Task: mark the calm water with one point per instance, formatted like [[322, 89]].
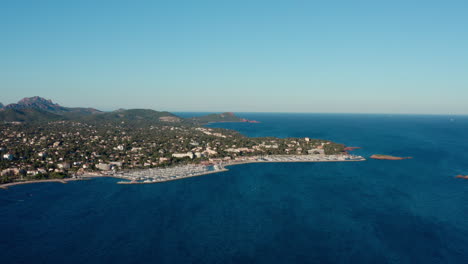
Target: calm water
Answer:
[[410, 211]]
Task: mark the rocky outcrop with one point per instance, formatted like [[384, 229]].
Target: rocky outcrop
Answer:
[[39, 103], [388, 157]]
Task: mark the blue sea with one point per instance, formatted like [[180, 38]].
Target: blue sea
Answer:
[[377, 211]]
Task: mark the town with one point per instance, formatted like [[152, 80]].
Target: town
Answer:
[[61, 149]]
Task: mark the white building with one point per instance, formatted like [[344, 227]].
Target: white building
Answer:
[[183, 155], [316, 152], [162, 159], [120, 147], [116, 163], [10, 171], [64, 165], [8, 156], [103, 166], [209, 152]]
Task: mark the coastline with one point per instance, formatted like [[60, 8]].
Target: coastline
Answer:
[[64, 181], [191, 170]]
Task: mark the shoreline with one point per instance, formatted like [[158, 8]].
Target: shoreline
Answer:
[[192, 170], [64, 181]]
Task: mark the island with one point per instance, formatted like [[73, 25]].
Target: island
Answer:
[[388, 157], [43, 141], [462, 177]]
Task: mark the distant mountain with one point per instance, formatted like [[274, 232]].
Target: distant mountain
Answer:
[[223, 117], [38, 109], [1, 105], [40, 103]]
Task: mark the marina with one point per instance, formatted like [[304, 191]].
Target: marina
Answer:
[[155, 175]]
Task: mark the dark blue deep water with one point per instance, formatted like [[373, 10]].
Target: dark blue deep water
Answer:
[[410, 211]]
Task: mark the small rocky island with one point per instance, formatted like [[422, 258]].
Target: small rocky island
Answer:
[[388, 157]]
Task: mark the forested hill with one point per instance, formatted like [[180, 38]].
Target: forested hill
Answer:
[[223, 117], [38, 109]]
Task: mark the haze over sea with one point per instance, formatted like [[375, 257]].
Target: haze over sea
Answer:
[[409, 211]]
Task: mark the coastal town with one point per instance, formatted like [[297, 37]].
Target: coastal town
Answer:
[[142, 146]]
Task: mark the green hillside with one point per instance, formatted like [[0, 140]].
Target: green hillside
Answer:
[[28, 115], [133, 116]]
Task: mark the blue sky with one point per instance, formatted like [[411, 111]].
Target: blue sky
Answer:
[[246, 56]]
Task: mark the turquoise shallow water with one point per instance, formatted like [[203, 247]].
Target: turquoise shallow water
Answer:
[[410, 211]]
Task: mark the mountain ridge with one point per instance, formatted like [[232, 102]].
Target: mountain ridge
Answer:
[[38, 109]]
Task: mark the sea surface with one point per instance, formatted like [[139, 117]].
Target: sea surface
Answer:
[[377, 211]]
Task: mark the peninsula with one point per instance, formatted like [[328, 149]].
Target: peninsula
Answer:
[[220, 118], [41, 140]]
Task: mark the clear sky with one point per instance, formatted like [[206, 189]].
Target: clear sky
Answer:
[[246, 56]]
